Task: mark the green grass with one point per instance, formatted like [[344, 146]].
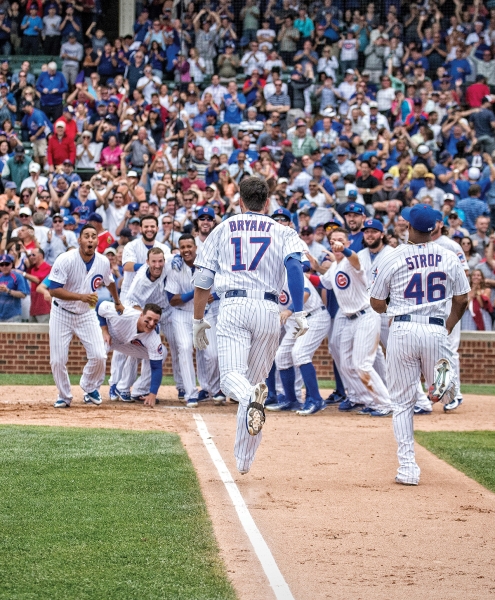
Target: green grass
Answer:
[[472, 452], [103, 514]]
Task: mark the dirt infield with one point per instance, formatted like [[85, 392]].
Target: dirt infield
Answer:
[[322, 494]]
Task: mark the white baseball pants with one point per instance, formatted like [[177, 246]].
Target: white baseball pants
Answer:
[[248, 332], [63, 325]]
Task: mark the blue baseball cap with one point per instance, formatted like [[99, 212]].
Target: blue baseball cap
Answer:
[[354, 208], [373, 224], [205, 211], [211, 113], [6, 258], [69, 220], [95, 217], [439, 215], [282, 212], [421, 217], [352, 194], [133, 206]]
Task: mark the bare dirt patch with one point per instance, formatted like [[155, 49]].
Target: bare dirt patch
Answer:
[[322, 494]]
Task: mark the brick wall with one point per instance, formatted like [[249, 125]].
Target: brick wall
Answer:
[[24, 348]]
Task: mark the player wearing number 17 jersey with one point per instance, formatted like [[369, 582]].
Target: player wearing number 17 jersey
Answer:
[[421, 279], [247, 257]]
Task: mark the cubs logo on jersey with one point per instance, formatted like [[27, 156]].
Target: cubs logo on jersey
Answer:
[[283, 298], [96, 282], [342, 280], [138, 343], [160, 349]]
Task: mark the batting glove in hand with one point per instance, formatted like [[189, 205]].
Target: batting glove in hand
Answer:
[[200, 340], [177, 262], [302, 324]]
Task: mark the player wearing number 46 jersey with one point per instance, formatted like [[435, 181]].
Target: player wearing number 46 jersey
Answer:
[[247, 257], [421, 279]]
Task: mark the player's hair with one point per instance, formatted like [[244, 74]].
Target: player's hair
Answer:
[[146, 217], [87, 226], [153, 308], [154, 251], [341, 230], [186, 236], [254, 193]]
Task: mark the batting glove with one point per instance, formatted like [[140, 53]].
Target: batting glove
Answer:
[[200, 340], [302, 324], [177, 262]]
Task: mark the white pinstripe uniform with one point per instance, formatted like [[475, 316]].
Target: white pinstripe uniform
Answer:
[[75, 317], [125, 337], [142, 292], [284, 300], [134, 252], [180, 282], [420, 280], [300, 351], [247, 252], [454, 338], [367, 260], [360, 335]]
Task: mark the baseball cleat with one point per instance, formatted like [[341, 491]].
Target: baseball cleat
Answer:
[[255, 416], [92, 398], [443, 386], [284, 405], [346, 405], [311, 407], [381, 412], [203, 396], [365, 411], [397, 480], [124, 396], [61, 403], [455, 403], [192, 403], [335, 398], [421, 411], [271, 400], [219, 399], [181, 394], [112, 393]]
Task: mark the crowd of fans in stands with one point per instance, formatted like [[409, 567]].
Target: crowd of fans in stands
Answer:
[[331, 102]]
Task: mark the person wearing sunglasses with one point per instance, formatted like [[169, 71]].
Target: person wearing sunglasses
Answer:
[[58, 239], [13, 288]]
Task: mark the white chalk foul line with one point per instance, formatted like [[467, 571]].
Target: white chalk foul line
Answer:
[[275, 577]]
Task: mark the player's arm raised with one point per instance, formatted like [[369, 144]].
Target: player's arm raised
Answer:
[[351, 256]]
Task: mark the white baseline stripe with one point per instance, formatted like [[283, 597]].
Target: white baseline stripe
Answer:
[[275, 577]]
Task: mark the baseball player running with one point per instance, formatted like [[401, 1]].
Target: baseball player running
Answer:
[[361, 333], [134, 256], [247, 257], [135, 333], [375, 246], [74, 279], [439, 236], [421, 278]]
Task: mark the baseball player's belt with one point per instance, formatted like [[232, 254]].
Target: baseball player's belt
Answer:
[[356, 315], [314, 312], [251, 294], [420, 319], [58, 306]]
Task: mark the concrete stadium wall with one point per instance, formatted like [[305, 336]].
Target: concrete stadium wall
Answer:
[[24, 348]]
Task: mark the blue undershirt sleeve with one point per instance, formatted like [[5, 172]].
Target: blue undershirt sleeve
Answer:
[[295, 280], [156, 375], [187, 297]]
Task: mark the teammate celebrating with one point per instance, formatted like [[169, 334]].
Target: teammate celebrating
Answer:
[[74, 279], [135, 334], [247, 255], [421, 278], [361, 333]]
